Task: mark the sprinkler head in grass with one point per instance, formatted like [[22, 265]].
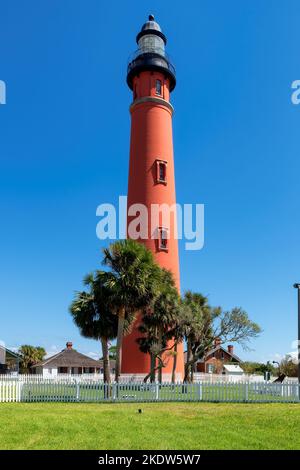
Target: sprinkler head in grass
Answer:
[[140, 411]]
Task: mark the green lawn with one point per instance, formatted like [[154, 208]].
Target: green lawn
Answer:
[[160, 426]]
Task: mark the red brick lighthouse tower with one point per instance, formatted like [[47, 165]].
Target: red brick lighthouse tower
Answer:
[[151, 77]]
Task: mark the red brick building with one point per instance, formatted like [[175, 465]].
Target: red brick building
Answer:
[[215, 359]]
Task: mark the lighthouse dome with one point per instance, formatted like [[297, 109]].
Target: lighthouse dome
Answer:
[[151, 27], [151, 24]]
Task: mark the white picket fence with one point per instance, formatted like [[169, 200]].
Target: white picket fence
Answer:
[[133, 378], [10, 391], [37, 378], [97, 391], [216, 378]]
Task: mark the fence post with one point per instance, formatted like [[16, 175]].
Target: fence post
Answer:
[[156, 391], [200, 391], [19, 391], [246, 391], [77, 391], [114, 386]]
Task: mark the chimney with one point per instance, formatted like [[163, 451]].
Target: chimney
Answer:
[[217, 342], [69, 345], [230, 348]]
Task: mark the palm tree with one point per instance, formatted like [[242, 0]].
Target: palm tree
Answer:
[[91, 313], [198, 323], [158, 326], [133, 283], [180, 331], [30, 355]]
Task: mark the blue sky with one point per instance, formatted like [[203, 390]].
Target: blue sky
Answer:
[[64, 145]]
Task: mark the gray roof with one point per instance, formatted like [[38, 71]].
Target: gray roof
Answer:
[[69, 358], [10, 353]]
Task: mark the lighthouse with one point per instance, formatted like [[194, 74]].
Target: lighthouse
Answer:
[[151, 78]]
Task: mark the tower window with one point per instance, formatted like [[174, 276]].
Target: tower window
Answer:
[[158, 87], [163, 239], [161, 171]]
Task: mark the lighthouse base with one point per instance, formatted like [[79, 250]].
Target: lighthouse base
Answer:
[[138, 378], [136, 364]]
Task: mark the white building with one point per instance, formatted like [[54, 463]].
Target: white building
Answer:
[[68, 361], [232, 369]]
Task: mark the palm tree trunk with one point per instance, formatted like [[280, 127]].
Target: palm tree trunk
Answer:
[[159, 357], [159, 374], [153, 361], [121, 321], [187, 367], [106, 368], [174, 363], [153, 364]]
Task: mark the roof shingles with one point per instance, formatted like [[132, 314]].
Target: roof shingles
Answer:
[[69, 358]]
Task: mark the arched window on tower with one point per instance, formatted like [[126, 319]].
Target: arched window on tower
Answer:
[[163, 235], [158, 87], [161, 171]]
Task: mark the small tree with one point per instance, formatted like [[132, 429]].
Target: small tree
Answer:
[[209, 323], [197, 329], [30, 355], [258, 368], [288, 367], [180, 331]]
